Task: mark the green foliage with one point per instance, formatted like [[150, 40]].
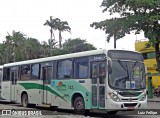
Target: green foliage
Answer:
[[18, 47], [155, 65], [14, 46], [77, 45], [58, 51], [32, 48], [3, 55], [134, 16], [59, 25]]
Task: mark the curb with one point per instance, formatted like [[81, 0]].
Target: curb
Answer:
[[153, 100]]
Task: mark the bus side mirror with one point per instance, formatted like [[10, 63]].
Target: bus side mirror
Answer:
[[109, 67]]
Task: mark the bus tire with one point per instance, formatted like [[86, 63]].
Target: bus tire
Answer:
[[24, 100], [79, 106]]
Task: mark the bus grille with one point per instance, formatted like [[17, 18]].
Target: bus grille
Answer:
[[130, 94], [130, 104], [128, 99]]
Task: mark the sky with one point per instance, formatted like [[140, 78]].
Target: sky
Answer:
[[28, 16]]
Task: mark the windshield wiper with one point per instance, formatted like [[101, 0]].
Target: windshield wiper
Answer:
[[126, 69], [120, 63], [134, 64]]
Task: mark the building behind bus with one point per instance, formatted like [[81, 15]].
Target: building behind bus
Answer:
[[149, 56]]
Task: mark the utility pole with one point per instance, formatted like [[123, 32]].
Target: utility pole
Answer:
[[51, 42], [150, 94], [114, 40]]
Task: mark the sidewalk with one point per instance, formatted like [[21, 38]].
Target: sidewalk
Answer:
[[154, 99]]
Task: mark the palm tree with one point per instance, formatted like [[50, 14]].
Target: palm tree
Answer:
[[59, 25], [32, 48], [3, 54], [44, 48], [50, 23], [14, 45]]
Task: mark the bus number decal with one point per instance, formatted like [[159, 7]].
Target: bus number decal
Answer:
[[97, 58], [70, 87]]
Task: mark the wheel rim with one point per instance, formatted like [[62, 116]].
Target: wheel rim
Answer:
[[25, 100], [79, 106]]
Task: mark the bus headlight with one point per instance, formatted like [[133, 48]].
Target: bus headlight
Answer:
[[142, 97], [114, 97]]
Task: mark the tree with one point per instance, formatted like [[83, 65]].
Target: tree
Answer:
[[14, 45], [48, 47], [134, 15], [58, 51], [51, 24], [59, 25], [73, 46], [77, 45], [3, 54], [31, 48]]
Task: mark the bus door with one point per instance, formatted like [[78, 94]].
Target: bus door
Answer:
[[98, 75], [47, 76], [14, 77]]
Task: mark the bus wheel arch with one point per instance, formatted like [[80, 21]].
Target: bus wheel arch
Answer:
[[78, 103], [24, 99]]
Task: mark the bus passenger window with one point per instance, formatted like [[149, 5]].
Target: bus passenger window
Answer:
[[49, 74], [35, 71], [101, 69], [64, 69], [81, 68], [93, 70], [25, 72], [102, 73]]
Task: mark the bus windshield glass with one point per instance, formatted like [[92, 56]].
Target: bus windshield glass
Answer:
[[127, 75]]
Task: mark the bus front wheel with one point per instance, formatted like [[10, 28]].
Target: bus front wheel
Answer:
[[79, 106], [24, 100]]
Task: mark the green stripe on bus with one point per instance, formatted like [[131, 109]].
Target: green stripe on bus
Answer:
[[42, 87]]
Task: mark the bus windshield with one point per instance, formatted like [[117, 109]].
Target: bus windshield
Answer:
[[127, 75]]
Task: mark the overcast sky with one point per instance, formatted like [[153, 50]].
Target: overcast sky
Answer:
[[28, 16]]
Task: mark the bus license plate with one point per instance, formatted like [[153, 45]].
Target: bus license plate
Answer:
[[130, 107]]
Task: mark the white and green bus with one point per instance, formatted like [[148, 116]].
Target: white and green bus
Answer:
[[1, 75], [108, 80]]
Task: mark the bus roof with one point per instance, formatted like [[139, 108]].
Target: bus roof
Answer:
[[72, 55], [59, 57]]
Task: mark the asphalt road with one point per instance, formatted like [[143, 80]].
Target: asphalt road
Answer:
[[42, 112]]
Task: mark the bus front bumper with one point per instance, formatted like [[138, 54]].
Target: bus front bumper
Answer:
[[112, 105]]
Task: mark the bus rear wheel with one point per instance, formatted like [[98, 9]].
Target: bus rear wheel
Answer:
[[79, 106], [24, 100]]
